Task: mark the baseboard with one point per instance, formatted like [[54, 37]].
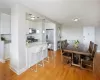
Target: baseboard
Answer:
[[18, 72], [22, 70], [14, 70], [1, 60]]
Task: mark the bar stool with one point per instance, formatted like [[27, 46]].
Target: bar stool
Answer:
[[44, 49], [37, 52], [49, 47]]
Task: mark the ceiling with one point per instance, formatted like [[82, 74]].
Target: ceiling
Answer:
[[64, 11]]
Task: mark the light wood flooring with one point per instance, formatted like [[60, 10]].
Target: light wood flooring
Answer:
[[54, 70]]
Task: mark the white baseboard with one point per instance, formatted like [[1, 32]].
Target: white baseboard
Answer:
[[1, 60], [18, 72], [22, 70]]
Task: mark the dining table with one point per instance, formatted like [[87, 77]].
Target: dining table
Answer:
[[78, 53]]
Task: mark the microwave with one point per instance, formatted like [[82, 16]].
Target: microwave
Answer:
[[32, 30]]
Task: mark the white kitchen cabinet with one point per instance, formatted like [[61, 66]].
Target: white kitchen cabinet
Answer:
[[5, 23], [7, 51], [2, 51]]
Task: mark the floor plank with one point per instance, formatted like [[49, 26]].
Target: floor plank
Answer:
[[54, 70]]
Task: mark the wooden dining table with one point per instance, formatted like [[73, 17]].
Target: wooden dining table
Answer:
[[79, 53]]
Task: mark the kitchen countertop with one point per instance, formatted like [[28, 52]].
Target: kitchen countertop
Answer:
[[6, 41], [35, 44]]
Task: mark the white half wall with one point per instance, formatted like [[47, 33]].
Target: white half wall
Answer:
[[19, 28]]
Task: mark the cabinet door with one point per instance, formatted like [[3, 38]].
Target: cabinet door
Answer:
[[7, 50], [5, 24]]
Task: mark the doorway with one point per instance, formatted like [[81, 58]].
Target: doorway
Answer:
[[50, 37]]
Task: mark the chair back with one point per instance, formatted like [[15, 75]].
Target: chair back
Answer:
[[94, 50], [91, 47], [64, 44]]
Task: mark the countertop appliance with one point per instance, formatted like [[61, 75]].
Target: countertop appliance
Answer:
[[31, 39], [32, 30]]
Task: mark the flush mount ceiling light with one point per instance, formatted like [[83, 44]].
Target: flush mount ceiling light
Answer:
[[76, 19]]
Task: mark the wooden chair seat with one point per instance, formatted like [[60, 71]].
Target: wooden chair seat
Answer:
[[88, 60], [67, 58]]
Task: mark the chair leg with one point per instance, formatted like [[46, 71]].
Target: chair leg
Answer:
[[47, 58], [35, 68], [52, 55], [43, 62]]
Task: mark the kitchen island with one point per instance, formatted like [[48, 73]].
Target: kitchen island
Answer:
[[31, 49]]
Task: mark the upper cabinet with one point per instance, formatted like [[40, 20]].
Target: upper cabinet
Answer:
[[5, 23]]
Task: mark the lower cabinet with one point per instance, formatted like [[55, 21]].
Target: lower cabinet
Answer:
[[7, 51]]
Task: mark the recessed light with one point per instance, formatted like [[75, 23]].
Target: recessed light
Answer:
[[32, 18]]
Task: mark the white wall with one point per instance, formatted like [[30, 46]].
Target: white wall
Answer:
[[97, 37], [76, 33], [5, 10], [72, 33]]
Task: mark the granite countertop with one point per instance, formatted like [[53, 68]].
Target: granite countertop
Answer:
[[35, 44], [7, 41]]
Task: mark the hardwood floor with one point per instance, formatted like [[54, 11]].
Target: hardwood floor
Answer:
[[97, 65], [54, 70]]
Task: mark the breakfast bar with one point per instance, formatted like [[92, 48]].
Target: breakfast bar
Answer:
[[35, 53]]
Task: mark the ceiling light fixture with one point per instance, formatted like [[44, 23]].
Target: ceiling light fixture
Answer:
[[32, 17], [76, 19]]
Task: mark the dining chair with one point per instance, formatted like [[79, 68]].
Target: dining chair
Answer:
[[90, 50], [38, 54], [66, 57], [44, 49], [89, 62]]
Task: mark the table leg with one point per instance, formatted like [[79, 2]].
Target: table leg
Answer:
[[80, 60], [72, 59]]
